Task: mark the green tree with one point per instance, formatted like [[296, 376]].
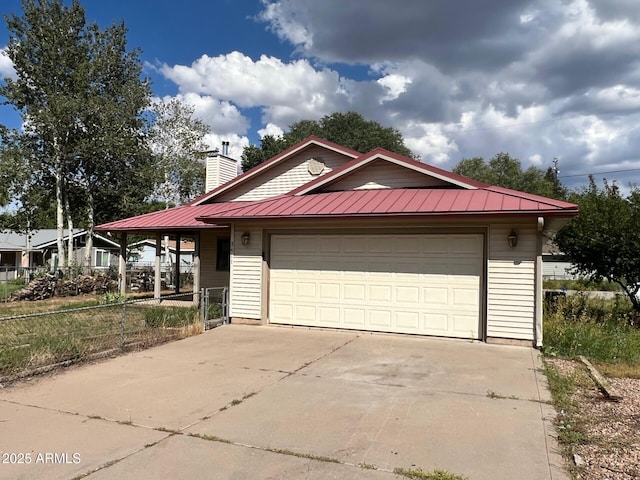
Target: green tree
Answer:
[[604, 240], [349, 129], [505, 171], [81, 99], [177, 142]]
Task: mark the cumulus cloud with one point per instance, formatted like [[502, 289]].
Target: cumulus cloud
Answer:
[[540, 79], [6, 65], [290, 91]]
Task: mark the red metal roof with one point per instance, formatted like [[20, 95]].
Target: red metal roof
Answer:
[[396, 202], [178, 218]]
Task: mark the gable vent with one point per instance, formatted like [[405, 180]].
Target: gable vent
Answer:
[[315, 166]]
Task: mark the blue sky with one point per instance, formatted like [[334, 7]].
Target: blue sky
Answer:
[[540, 79]]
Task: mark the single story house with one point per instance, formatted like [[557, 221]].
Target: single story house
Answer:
[[324, 236], [38, 248], [142, 254]]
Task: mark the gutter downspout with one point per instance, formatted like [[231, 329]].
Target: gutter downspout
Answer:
[[538, 284]]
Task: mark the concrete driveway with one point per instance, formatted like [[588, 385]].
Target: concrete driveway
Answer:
[[244, 402]]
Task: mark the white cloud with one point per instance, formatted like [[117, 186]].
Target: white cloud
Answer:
[[6, 65], [394, 84], [290, 91], [236, 143], [270, 129]]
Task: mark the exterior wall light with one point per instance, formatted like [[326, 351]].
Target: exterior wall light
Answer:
[[245, 238], [512, 239]]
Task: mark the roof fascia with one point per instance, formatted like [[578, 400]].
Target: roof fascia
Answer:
[[377, 154]]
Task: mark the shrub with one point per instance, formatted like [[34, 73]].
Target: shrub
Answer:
[[601, 329]]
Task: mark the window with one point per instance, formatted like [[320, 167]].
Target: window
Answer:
[[103, 258], [223, 254]]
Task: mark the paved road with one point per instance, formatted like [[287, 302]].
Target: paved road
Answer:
[[244, 402]]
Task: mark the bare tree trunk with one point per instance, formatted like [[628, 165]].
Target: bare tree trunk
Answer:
[[89, 244], [59, 211], [70, 252]]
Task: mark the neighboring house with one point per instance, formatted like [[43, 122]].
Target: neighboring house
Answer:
[[555, 264], [324, 236], [142, 254], [19, 251]]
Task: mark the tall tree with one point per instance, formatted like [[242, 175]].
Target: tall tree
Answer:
[[349, 129], [604, 240], [81, 99], [177, 142], [505, 171]]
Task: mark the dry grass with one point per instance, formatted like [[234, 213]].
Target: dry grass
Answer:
[[619, 370]]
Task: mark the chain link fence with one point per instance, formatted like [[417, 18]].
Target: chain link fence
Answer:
[[39, 342]]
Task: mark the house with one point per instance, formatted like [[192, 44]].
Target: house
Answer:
[[556, 265], [142, 254], [324, 236], [38, 248]]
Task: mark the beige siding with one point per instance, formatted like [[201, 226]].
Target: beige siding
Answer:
[[246, 274], [511, 283], [285, 177], [209, 276], [219, 170], [382, 174]]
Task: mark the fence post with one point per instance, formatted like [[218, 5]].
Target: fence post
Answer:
[[122, 323], [225, 304], [203, 306]]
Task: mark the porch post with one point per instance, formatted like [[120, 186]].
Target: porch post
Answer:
[[196, 269], [122, 264], [177, 265], [538, 283], [157, 273]]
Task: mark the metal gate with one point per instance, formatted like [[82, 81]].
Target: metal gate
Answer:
[[214, 306]]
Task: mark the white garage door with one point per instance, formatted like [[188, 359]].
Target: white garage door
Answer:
[[421, 284]]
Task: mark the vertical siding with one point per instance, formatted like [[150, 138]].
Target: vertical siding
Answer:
[[246, 274], [212, 178], [209, 276], [382, 174], [285, 177], [220, 170], [511, 283]]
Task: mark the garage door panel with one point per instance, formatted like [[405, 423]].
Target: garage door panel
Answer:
[[435, 323], [408, 321], [354, 317], [283, 288], [354, 292], [380, 294], [305, 313], [466, 297], [306, 289], [330, 291], [380, 319], [395, 283], [329, 315], [408, 295], [435, 296]]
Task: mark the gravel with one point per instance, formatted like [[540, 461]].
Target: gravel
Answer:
[[612, 451]]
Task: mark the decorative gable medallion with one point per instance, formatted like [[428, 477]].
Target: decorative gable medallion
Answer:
[[315, 166]]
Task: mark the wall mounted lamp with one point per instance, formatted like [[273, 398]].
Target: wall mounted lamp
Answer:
[[245, 238], [512, 239]]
